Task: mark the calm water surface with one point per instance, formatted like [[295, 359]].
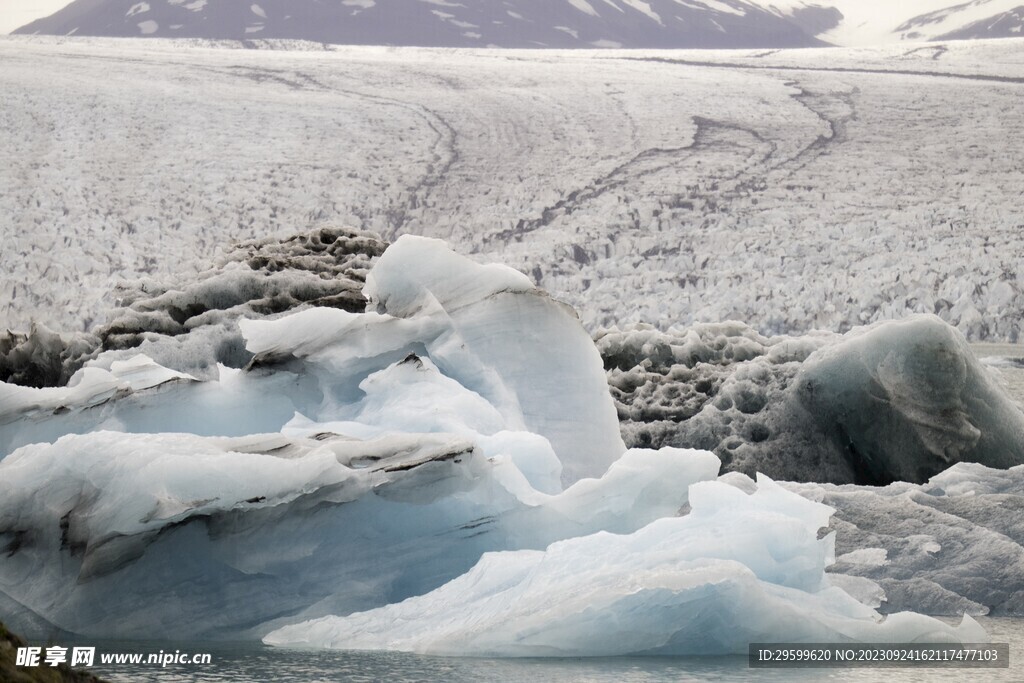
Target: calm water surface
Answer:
[[249, 662]]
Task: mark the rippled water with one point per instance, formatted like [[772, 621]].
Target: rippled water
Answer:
[[248, 662]]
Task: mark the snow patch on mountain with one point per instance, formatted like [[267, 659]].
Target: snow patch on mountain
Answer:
[[868, 22], [581, 5]]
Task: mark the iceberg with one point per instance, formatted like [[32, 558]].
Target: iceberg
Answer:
[[894, 401], [357, 459], [93, 526], [485, 326], [907, 399], [738, 568]]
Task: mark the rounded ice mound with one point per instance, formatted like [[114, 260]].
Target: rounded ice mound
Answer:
[[418, 270], [904, 400], [893, 401], [737, 569]]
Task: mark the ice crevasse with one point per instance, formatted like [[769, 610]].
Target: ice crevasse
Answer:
[[442, 473]]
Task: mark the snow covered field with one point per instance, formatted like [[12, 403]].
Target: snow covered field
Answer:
[[791, 190]]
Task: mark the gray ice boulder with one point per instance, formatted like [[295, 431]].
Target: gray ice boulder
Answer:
[[900, 400], [905, 400]]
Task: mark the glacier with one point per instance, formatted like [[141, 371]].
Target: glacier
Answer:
[[361, 457], [784, 189]]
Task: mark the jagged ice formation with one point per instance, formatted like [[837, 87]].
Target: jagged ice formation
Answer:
[[357, 459]]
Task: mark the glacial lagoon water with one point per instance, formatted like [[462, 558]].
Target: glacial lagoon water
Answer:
[[254, 662]]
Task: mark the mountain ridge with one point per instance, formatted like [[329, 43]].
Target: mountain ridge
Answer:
[[543, 23], [443, 23]]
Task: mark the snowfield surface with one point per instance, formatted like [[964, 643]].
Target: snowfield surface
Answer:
[[792, 190]]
